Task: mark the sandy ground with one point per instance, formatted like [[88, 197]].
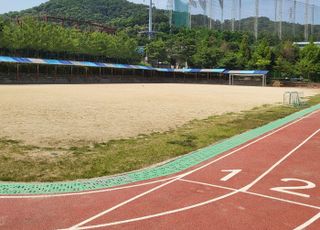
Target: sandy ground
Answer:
[[51, 115]]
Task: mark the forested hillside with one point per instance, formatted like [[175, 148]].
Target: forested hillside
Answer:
[[127, 15], [33, 38], [180, 47], [114, 12]]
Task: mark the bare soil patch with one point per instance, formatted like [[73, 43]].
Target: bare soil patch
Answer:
[[64, 115]]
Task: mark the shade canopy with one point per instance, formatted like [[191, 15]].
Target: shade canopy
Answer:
[[20, 60]]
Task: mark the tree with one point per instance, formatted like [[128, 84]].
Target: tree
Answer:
[[244, 54], [261, 57], [286, 58], [182, 47], [157, 51], [206, 55], [309, 63]]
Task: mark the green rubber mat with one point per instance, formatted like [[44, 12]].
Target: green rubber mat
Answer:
[[172, 167]]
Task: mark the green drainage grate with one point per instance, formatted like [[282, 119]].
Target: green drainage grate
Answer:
[[175, 166]]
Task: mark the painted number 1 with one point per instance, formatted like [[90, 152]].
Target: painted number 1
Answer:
[[288, 190], [232, 173]]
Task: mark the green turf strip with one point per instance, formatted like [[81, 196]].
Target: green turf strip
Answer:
[[172, 167]]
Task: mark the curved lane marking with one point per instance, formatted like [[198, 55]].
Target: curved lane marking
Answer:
[[308, 223], [245, 188]]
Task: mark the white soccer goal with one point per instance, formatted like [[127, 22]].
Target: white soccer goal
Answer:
[[293, 98]]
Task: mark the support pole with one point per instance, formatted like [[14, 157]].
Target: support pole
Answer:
[[256, 20], [306, 21], [276, 15], [170, 9], [312, 19], [240, 14], [294, 17], [190, 16], [210, 13], [233, 15], [221, 2], [150, 19], [18, 72], [38, 71], [280, 18], [55, 72]]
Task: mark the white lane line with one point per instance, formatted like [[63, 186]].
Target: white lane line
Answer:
[[246, 188], [308, 223], [130, 186], [234, 191], [183, 175], [162, 213], [232, 173], [87, 192], [254, 193]]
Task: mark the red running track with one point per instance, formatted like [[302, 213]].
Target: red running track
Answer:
[[272, 182]]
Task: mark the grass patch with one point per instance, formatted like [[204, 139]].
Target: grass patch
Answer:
[[19, 162]]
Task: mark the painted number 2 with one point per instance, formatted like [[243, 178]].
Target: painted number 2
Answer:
[[288, 190]]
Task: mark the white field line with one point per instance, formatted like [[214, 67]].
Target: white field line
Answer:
[[136, 185], [188, 173], [308, 223]]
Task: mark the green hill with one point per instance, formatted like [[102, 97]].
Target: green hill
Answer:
[[115, 12], [124, 14]]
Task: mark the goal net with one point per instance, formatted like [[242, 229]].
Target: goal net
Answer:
[[293, 98]]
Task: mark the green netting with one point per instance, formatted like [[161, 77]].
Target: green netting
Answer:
[[180, 13], [285, 19]]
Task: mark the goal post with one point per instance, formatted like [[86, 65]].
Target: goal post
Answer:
[[293, 98]]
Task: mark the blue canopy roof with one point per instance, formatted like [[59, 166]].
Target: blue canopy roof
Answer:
[[99, 65], [247, 72], [21, 60]]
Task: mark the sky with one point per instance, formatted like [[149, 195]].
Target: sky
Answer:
[[16, 5]]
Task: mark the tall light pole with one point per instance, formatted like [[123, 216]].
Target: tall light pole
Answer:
[[256, 19], [240, 14], [170, 8], [312, 19], [210, 13], [233, 20], [221, 2], [280, 18], [294, 17], [276, 16], [306, 21], [150, 20]]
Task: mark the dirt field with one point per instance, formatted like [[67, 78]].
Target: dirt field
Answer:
[[51, 115]]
